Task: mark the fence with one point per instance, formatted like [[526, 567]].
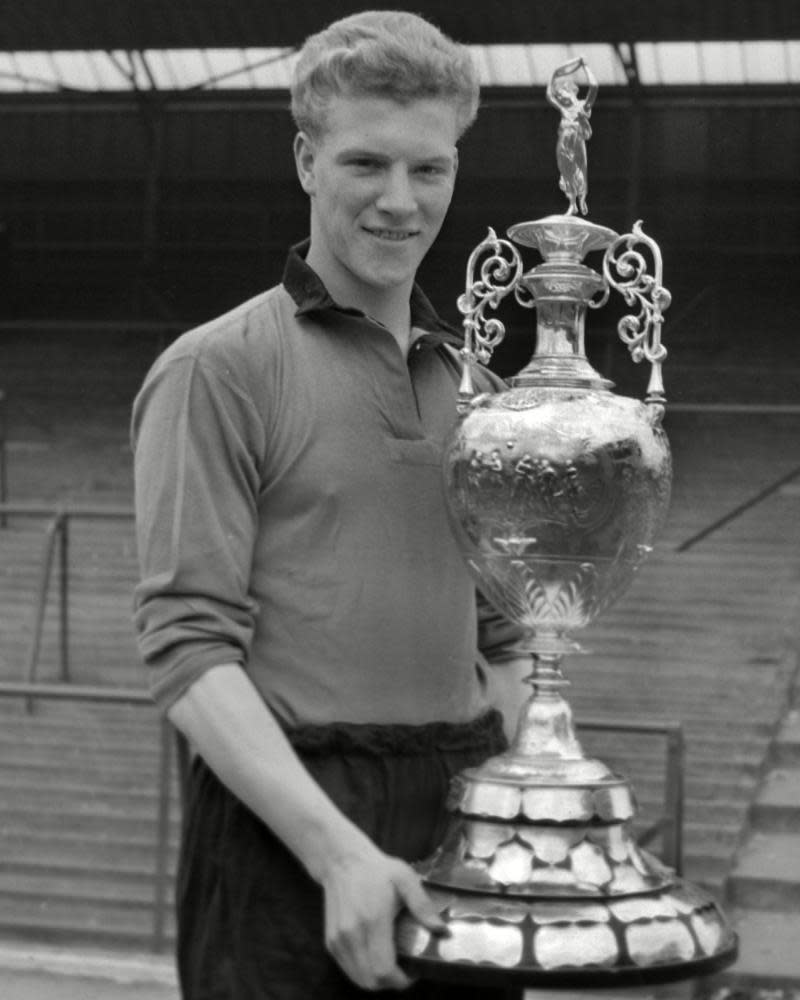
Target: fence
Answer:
[[121, 696], [55, 551]]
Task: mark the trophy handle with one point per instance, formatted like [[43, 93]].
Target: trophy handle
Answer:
[[497, 274], [625, 268]]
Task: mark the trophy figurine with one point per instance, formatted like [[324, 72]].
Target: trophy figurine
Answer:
[[556, 488]]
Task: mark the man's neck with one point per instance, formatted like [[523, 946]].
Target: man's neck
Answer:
[[391, 307], [396, 317]]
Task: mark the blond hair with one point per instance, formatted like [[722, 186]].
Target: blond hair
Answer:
[[386, 53]]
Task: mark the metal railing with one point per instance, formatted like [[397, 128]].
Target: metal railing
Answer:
[[124, 696], [55, 550], [669, 825]]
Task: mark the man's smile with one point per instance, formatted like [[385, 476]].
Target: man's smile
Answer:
[[394, 235]]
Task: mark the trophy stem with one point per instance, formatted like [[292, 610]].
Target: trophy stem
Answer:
[[545, 727]]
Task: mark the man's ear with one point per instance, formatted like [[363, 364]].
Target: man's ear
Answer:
[[455, 162], [304, 154]]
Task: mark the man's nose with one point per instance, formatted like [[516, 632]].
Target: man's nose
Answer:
[[397, 195]]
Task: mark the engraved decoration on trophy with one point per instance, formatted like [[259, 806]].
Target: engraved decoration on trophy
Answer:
[[556, 488]]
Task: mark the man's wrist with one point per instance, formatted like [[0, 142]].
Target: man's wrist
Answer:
[[329, 847]]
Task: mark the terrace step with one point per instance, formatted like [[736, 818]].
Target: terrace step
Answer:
[[766, 875], [768, 953], [90, 889], [777, 805], [786, 747], [67, 921], [118, 856]]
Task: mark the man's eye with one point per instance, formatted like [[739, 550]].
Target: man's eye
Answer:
[[364, 163], [431, 170]]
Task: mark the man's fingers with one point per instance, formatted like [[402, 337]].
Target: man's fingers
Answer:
[[419, 903], [366, 954], [360, 925], [383, 957]]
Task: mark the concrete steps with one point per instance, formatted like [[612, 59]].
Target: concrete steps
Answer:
[[118, 854], [42, 972], [79, 825], [702, 637], [92, 889], [768, 954], [70, 921], [763, 888], [767, 873], [777, 805]]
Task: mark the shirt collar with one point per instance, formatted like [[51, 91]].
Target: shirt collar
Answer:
[[311, 296]]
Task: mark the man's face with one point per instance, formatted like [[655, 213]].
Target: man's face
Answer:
[[380, 181]]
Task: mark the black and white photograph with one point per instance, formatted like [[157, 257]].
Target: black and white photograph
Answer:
[[399, 500]]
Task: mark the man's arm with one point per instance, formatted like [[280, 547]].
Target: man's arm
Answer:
[[198, 440], [234, 731]]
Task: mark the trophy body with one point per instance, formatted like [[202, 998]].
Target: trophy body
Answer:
[[556, 492], [556, 489]]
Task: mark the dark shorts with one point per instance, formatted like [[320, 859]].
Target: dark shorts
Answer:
[[250, 920]]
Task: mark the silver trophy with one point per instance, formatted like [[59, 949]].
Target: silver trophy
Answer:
[[556, 489]]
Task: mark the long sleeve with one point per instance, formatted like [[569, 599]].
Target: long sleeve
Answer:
[[196, 442]]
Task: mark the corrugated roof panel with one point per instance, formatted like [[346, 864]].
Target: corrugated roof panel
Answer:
[[765, 62], [793, 57], [103, 70], [722, 62], [188, 66], [226, 68], [35, 70], [604, 61], [130, 71], [544, 58], [272, 67], [507, 64], [161, 67], [672, 62], [8, 73], [661, 63]]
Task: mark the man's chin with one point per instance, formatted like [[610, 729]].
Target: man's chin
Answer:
[[388, 279]]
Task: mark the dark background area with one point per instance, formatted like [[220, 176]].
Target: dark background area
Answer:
[[129, 217]]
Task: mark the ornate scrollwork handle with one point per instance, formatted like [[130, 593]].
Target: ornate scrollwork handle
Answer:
[[625, 268], [493, 270]]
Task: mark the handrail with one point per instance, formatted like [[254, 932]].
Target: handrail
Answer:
[[670, 824], [124, 696], [41, 509], [56, 534]]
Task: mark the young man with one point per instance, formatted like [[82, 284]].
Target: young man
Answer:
[[309, 622]]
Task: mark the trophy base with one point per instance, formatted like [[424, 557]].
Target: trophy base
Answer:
[[469, 974], [675, 934], [540, 882]]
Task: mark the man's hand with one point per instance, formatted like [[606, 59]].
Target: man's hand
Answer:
[[363, 895], [365, 889]]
